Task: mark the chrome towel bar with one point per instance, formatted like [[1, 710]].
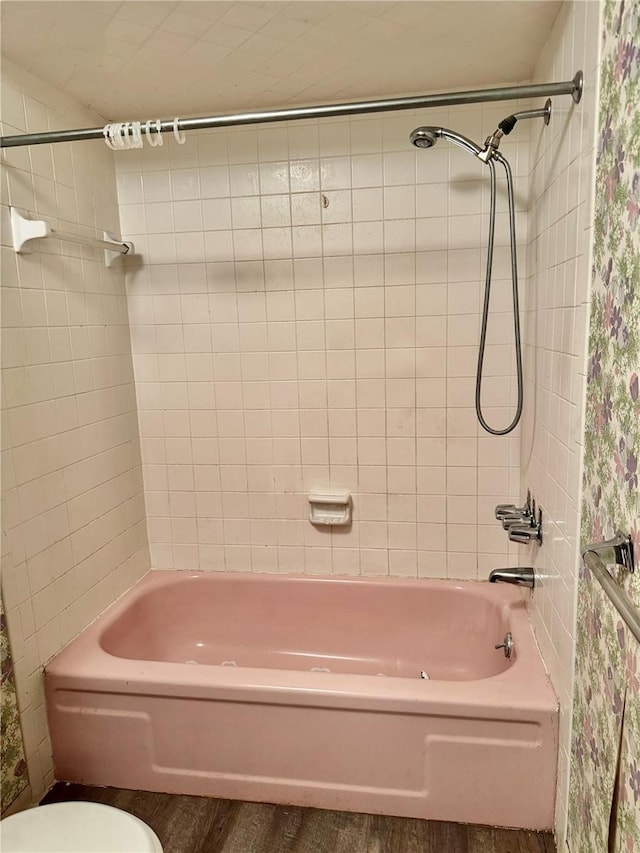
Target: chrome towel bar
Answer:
[[618, 550]]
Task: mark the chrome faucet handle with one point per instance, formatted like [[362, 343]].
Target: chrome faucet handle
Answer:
[[513, 518], [511, 509], [504, 509], [525, 533]]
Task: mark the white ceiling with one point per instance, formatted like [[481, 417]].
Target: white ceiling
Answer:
[[163, 58]]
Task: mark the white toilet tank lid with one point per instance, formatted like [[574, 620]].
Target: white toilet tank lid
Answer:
[[76, 827]]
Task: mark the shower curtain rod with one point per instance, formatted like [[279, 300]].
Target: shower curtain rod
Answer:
[[505, 93]]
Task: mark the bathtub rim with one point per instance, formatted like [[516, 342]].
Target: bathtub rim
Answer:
[[524, 685]]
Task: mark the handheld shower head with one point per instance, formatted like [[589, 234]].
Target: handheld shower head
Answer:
[[426, 137]]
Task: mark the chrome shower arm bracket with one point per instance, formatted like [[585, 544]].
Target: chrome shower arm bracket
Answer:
[[492, 142], [544, 113]]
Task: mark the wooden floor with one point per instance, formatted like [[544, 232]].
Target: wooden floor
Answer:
[[201, 825]]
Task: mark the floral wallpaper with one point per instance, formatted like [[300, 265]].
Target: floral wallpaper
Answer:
[[13, 774], [627, 833], [604, 811], [612, 433], [605, 760]]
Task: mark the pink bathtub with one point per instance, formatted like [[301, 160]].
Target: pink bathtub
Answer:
[[311, 691]]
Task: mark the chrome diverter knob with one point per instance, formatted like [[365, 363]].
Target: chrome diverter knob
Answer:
[[514, 518]]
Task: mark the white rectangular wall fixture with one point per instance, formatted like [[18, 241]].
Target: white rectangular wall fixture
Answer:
[[330, 509]]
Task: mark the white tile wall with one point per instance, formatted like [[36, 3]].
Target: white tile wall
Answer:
[[560, 227], [305, 317], [73, 531]]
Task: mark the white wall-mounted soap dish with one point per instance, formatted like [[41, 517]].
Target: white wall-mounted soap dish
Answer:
[[330, 509]]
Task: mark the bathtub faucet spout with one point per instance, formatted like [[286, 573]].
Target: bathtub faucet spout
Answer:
[[520, 576]]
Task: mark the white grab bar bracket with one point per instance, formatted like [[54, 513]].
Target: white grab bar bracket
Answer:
[[112, 255], [24, 230]]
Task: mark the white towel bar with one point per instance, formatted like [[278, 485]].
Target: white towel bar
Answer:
[[24, 230]]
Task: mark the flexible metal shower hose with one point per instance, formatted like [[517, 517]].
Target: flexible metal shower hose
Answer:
[[487, 296]]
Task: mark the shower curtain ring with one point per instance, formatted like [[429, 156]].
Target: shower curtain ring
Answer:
[[106, 132], [119, 129], [180, 137], [154, 141]]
